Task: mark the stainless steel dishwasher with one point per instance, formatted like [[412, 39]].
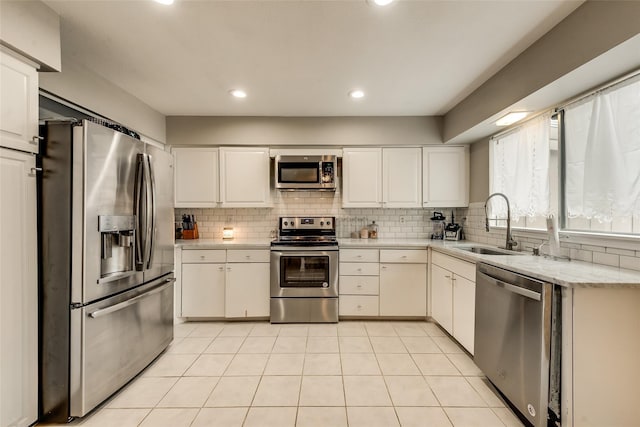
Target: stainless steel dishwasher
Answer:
[[516, 340]]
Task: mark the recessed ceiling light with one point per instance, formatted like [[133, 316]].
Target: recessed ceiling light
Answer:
[[165, 2], [238, 93], [356, 94], [382, 2], [512, 117]]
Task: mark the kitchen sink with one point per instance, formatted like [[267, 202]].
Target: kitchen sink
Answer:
[[487, 251]]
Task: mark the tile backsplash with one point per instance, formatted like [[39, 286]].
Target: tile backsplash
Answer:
[[262, 223], [259, 223], [474, 222]]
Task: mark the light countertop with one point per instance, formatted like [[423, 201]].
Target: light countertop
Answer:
[[564, 273]]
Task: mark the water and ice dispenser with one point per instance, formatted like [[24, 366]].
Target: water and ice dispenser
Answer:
[[117, 236]]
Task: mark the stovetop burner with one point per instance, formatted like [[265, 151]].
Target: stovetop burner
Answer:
[[306, 231]]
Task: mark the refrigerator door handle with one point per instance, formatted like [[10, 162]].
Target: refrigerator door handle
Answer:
[[151, 192], [148, 212], [138, 211], [117, 307]]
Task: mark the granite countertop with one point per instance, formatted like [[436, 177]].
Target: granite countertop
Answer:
[[224, 244], [564, 273]]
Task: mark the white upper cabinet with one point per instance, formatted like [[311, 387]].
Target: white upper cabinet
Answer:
[[196, 177], [18, 104], [402, 177], [244, 177], [445, 177], [362, 178]]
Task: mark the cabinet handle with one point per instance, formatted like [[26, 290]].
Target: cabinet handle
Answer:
[[36, 139], [228, 268], [359, 307], [248, 256], [220, 268], [34, 171], [201, 256], [448, 277], [359, 286], [403, 256], [359, 270], [453, 278], [384, 267], [359, 256]]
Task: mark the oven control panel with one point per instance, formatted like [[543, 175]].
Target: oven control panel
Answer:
[[307, 223]]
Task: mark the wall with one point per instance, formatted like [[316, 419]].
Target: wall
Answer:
[[591, 30], [85, 88], [340, 131], [479, 171], [32, 29]]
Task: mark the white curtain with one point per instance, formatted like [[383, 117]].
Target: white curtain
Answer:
[[520, 169], [602, 144]]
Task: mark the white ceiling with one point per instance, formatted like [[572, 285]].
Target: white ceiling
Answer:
[[300, 58]]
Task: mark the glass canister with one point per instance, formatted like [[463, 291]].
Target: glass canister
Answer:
[[373, 230]]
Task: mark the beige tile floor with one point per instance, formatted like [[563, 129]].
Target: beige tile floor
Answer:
[[347, 374]]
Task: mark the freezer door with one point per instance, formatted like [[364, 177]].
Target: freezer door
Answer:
[[114, 339], [161, 241], [104, 175]]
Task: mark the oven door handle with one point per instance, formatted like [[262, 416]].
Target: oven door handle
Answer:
[[298, 252]]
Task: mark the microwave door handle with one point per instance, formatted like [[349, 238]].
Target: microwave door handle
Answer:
[[152, 210], [139, 181]]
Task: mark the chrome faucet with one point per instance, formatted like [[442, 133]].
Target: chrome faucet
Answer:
[[510, 242]]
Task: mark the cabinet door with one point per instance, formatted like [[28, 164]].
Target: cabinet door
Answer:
[[403, 290], [361, 177], [18, 104], [401, 177], [464, 311], [445, 172], [442, 297], [203, 290], [244, 177], [18, 290], [247, 290], [196, 177]]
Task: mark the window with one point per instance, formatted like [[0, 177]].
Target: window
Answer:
[[582, 164], [524, 167], [602, 161]]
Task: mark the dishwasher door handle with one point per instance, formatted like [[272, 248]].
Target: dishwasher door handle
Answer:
[[513, 288]]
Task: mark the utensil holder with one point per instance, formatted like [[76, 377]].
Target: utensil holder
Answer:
[[191, 234]]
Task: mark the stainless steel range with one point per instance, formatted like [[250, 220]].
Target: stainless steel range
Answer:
[[304, 271]]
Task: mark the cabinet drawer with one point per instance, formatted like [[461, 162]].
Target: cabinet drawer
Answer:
[[359, 285], [416, 256], [359, 269], [461, 268], [359, 255], [250, 255], [360, 305], [203, 255]]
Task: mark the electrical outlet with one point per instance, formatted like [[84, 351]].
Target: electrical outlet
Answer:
[[401, 220]]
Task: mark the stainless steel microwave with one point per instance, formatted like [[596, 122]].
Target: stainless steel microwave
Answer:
[[305, 172]]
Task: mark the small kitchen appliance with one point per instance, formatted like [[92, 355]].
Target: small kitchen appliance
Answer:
[[437, 226], [452, 231], [304, 271]]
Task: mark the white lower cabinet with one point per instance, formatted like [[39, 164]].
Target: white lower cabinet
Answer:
[[403, 289], [359, 282], [383, 282], [220, 283], [453, 297], [442, 297], [203, 287], [247, 290]]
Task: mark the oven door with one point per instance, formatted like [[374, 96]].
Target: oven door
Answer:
[[304, 273]]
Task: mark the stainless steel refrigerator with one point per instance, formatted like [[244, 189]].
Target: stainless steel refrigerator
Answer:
[[106, 251]]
